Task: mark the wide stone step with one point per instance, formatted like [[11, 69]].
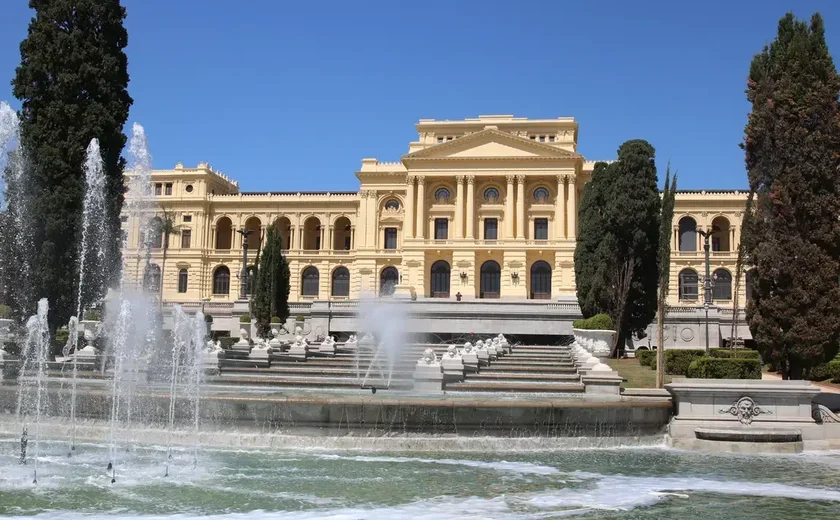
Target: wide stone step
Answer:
[[302, 370], [298, 382], [521, 376], [512, 386], [495, 367], [506, 361]]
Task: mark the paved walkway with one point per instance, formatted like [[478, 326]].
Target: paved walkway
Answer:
[[828, 388]]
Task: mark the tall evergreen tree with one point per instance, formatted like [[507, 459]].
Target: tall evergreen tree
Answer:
[[792, 235], [669, 195], [72, 82], [616, 256], [270, 296]]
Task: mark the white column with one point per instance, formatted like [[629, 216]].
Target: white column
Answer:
[[420, 229], [459, 206], [509, 207], [559, 209], [408, 220], [572, 202], [470, 206], [520, 206]]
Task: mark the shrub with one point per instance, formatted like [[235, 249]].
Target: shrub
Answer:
[[735, 353], [276, 319], [227, 342], [208, 318], [62, 335], [245, 318], [5, 312], [93, 315], [678, 360], [834, 370], [300, 318], [647, 358], [724, 368], [597, 322]]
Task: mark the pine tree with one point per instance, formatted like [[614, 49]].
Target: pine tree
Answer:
[[792, 237], [72, 82], [668, 198], [616, 264]]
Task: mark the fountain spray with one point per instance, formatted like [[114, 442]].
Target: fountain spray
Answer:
[[181, 337]]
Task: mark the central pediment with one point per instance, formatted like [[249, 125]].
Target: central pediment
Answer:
[[490, 143]]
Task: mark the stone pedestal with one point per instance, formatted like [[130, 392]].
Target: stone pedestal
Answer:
[[469, 357], [503, 342], [453, 365], [260, 354], [244, 343], [299, 348], [403, 292], [327, 347], [483, 355], [602, 380], [428, 374], [211, 360]]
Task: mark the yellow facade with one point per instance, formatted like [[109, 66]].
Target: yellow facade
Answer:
[[494, 198]]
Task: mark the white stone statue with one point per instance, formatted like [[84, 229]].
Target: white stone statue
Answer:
[[469, 357], [276, 342], [327, 347], [482, 353], [299, 348], [429, 358], [244, 342], [453, 364], [261, 352]]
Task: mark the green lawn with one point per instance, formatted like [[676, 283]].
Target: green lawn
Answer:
[[636, 375]]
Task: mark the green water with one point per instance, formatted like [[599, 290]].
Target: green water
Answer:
[[648, 483]]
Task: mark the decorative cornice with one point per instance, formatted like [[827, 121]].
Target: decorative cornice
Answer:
[[520, 179], [421, 180], [459, 179], [552, 152], [409, 180], [571, 179], [510, 178], [561, 180], [470, 179]]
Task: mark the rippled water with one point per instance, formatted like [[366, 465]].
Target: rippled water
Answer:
[[585, 483]]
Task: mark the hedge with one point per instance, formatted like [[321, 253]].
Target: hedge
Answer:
[[678, 360], [227, 342], [647, 358], [834, 370], [735, 353], [724, 368], [597, 322]]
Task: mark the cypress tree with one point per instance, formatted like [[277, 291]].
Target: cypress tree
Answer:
[[669, 195], [791, 234], [271, 291], [616, 264], [72, 82]]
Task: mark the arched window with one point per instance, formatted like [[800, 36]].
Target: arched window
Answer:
[[311, 281], [155, 234], [540, 281], [440, 279], [749, 280], [224, 233], [442, 195], [254, 226], [341, 282], [393, 205], [221, 280], [541, 195], [720, 234], [183, 278], [491, 280], [491, 195], [688, 285], [722, 288], [151, 278], [388, 280], [688, 234]]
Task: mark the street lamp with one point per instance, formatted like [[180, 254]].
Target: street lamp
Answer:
[[243, 279], [707, 281]]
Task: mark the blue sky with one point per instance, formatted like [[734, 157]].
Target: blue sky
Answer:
[[292, 95]]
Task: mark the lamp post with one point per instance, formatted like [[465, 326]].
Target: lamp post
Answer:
[[707, 280], [243, 278]]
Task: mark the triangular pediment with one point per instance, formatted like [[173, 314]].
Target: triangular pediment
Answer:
[[490, 144]]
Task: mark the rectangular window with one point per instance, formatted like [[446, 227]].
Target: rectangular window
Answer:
[[542, 138], [491, 229], [441, 228], [540, 229], [182, 281], [123, 218], [168, 189], [715, 243], [533, 138], [551, 139], [187, 218], [186, 238], [440, 139], [158, 188], [347, 243], [390, 238]]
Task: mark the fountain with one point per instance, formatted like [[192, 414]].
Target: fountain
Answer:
[[381, 341]]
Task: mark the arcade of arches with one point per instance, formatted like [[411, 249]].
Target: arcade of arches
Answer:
[[483, 208]]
